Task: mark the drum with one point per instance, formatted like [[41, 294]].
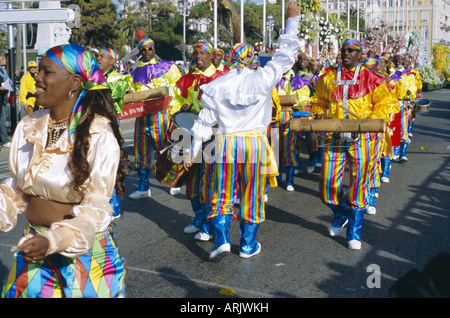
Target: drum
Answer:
[[169, 169], [421, 105]]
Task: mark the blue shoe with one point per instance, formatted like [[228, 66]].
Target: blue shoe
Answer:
[[248, 246], [222, 246]]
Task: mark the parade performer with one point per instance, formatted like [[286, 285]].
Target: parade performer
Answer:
[[399, 73], [119, 85], [65, 162], [341, 92], [415, 82], [290, 84], [28, 88], [188, 98], [241, 103], [218, 60], [379, 144], [312, 139], [150, 131], [398, 92]]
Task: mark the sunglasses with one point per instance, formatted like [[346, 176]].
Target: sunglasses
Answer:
[[145, 49], [349, 50]]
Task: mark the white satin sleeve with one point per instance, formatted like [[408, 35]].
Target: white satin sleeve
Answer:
[[74, 237], [283, 58], [12, 199], [202, 130]]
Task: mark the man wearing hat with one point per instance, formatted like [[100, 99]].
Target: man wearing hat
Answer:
[[28, 88]]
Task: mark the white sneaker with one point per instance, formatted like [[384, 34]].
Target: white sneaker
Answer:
[[403, 159], [310, 169], [290, 188], [220, 252], [354, 245], [395, 157], [140, 194], [335, 231], [318, 165], [244, 255], [371, 210], [410, 135], [7, 145], [266, 198], [191, 229], [201, 236], [174, 191], [385, 179]]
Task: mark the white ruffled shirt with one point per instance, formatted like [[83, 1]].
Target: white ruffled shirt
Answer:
[[243, 102]]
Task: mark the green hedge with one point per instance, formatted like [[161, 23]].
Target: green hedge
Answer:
[[430, 87]]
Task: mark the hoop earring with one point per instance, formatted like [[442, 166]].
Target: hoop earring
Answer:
[[70, 95]]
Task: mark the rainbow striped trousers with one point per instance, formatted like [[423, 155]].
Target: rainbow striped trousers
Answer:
[[150, 136], [376, 150], [289, 152], [335, 158], [97, 274], [239, 162]]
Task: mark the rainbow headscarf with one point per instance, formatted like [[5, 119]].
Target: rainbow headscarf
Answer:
[[241, 54], [256, 62], [219, 51], [303, 54], [111, 53], [387, 54], [78, 61], [144, 42], [371, 62], [202, 45], [354, 43], [316, 61]]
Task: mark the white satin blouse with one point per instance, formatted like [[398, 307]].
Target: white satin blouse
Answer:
[[43, 172]]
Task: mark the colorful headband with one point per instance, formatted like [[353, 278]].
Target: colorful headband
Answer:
[[111, 53], [242, 54], [202, 45], [303, 54], [354, 43], [256, 62], [205, 46], [316, 62], [78, 61], [384, 58], [387, 54], [219, 51], [371, 62], [144, 42]]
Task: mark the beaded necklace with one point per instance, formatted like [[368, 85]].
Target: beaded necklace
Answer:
[[55, 129]]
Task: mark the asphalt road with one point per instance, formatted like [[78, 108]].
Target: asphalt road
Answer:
[[298, 258]]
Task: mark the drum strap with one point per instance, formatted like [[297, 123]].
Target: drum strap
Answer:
[[340, 82]]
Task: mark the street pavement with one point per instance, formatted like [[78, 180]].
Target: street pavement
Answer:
[[298, 258]]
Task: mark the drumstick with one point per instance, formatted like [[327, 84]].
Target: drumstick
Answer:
[[351, 113]]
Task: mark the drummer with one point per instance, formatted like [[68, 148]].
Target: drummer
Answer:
[[290, 84], [397, 93], [150, 131], [241, 103], [119, 84], [365, 99], [217, 60], [187, 99]]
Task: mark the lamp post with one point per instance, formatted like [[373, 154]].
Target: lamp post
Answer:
[[185, 9], [270, 24]]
